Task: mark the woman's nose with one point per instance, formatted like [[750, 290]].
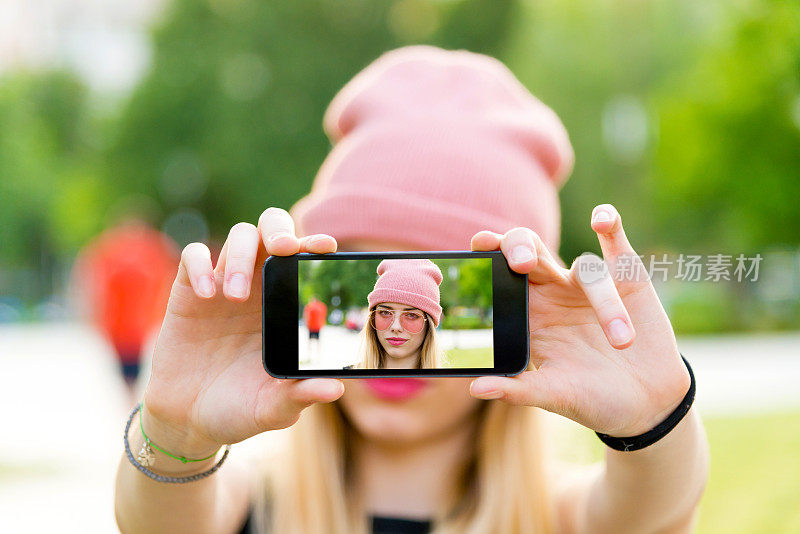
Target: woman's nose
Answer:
[[396, 326]]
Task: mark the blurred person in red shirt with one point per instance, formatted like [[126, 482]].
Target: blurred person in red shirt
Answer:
[[124, 277], [314, 314]]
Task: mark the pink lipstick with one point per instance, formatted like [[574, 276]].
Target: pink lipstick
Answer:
[[395, 388]]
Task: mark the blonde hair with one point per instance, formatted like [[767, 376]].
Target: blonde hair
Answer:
[[308, 487], [374, 355]]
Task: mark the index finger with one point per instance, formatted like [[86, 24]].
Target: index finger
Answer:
[[617, 250], [278, 233], [276, 228], [591, 274]]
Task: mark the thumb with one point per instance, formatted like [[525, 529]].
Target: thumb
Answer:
[[306, 392], [529, 388], [281, 407]]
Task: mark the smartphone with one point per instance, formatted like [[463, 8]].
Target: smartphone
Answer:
[[317, 322]]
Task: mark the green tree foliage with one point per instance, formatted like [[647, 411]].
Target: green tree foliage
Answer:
[[475, 288], [725, 175], [350, 280], [228, 121], [716, 88], [51, 194]]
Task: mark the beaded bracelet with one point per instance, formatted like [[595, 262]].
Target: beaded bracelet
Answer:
[[146, 456], [641, 441]]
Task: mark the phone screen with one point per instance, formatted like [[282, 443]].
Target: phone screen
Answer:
[[422, 313], [416, 325]]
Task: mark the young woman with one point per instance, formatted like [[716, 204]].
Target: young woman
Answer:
[[434, 150], [404, 313]]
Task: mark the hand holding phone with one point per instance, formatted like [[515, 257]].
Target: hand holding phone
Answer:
[[208, 386], [604, 352]]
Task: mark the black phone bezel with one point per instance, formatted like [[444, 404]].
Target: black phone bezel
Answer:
[[280, 305]]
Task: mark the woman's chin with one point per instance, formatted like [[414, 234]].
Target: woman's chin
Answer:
[[384, 418], [396, 352], [400, 363], [394, 424], [379, 412]]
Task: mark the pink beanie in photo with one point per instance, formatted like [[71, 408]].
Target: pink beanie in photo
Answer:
[[430, 147], [413, 282]]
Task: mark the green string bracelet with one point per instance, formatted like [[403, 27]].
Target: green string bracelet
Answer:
[[156, 447]]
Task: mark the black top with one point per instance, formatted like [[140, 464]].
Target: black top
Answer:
[[380, 525], [393, 525]]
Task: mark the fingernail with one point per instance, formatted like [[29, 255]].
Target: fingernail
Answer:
[[601, 216], [237, 285], [619, 332], [521, 254], [489, 395], [206, 286]]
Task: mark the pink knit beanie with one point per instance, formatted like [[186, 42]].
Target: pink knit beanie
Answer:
[[430, 147], [413, 282]]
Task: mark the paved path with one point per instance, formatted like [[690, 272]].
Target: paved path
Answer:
[[738, 374], [62, 410]]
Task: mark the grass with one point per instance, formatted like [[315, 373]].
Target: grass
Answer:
[[471, 357], [754, 482], [754, 486]]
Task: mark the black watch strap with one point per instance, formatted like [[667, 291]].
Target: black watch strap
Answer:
[[641, 441]]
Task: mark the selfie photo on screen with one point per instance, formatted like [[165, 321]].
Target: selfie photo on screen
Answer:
[[395, 314]]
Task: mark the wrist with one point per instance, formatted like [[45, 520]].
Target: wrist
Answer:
[[652, 422], [146, 458], [163, 464], [176, 441], [638, 441], [676, 397], [679, 438]]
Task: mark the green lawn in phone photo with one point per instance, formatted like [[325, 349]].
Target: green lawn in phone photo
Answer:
[[471, 357]]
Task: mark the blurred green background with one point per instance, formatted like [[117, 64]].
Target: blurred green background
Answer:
[[683, 114]]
